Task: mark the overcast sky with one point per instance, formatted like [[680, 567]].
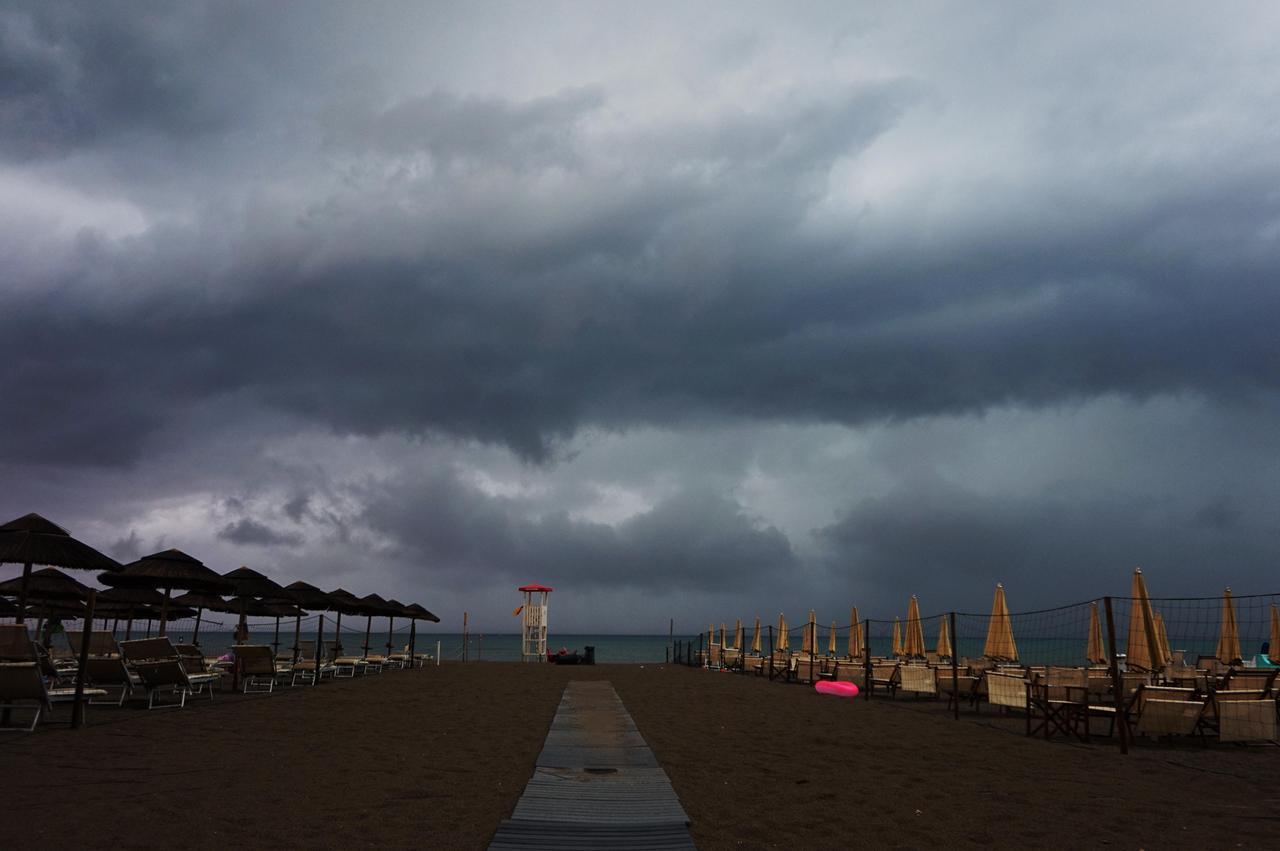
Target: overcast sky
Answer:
[[687, 313]]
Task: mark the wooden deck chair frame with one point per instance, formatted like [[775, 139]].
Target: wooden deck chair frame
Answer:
[[885, 675], [1006, 690], [1058, 703], [920, 680], [1240, 715]]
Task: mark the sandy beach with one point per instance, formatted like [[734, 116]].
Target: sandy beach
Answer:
[[438, 757]]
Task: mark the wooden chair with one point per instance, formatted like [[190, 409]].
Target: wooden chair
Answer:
[[919, 680], [1058, 702], [885, 675]]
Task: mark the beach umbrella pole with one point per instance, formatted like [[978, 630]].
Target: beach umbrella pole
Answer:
[[368, 627], [275, 641], [1117, 684], [413, 640], [195, 636], [297, 633], [164, 610], [955, 667], [390, 632], [319, 647], [337, 635], [22, 593], [77, 708]]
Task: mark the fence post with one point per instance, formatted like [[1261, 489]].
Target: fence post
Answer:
[[1117, 684], [866, 657], [955, 665]]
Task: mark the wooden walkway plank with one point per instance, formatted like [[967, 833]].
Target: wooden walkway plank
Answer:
[[597, 784]]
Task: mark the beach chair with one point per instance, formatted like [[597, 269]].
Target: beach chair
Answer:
[[107, 673], [1249, 679], [101, 643], [1058, 702], [885, 675], [804, 669], [1242, 715], [22, 686], [1166, 711], [16, 644], [1005, 690], [345, 666], [257, 666], [919, 680], [850, 671], [159, 669]]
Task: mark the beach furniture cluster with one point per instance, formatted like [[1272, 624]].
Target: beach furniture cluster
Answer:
[[110, 666], [1074, 678]]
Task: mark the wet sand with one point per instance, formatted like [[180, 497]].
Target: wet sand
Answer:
[[438, 757]]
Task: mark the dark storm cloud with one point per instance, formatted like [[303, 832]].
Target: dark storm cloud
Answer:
[[950, 545], [696, 538], [231, 231], [248, 531]]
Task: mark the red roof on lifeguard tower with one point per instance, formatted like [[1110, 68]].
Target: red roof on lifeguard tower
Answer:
[[534, 588]]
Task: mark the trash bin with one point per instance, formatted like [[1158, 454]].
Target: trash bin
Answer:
[[589, 655]]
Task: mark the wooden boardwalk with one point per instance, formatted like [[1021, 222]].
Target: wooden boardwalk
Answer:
[[596, 784]]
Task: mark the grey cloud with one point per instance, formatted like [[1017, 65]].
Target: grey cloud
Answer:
[[696, 538], [251, 532]]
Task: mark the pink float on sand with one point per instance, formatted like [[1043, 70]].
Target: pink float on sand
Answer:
[[838, 689]]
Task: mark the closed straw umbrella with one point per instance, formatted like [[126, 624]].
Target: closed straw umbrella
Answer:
[[755, 639], [855, 634], [914, 643], [831, 640], [897, 637], [1142, 645], [944, 650], [32, 540], [1000, 643], [737, 636], [1229, 635], [783, 642], [723, 636], [1094, 653], [809, 644], [1162, 637]]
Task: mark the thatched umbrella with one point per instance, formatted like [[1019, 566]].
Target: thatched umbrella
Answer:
[[248, 584], [169, 570], [201, 600], [272, 609], [855, 634], [1000, 643], [373, 606], [49, 588], [1094, 653], [344, 603], [1142, 645], [944, 649], [913, 645], [400, 610], [126, 602], [313, 599], [32, 540], [897, 637], [416, 613], [1229, 634]]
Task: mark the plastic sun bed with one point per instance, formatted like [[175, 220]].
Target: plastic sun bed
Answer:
[[159, 669]]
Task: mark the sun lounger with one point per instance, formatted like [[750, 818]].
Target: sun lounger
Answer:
[[804, 669], [22, 686], [850, 671], [16, 644], [1249, 679], [101, 643], [961, 686], [257, 666], [159, 669], [107, 673]]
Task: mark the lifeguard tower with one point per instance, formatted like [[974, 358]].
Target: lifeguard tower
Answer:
[[534, 638]]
